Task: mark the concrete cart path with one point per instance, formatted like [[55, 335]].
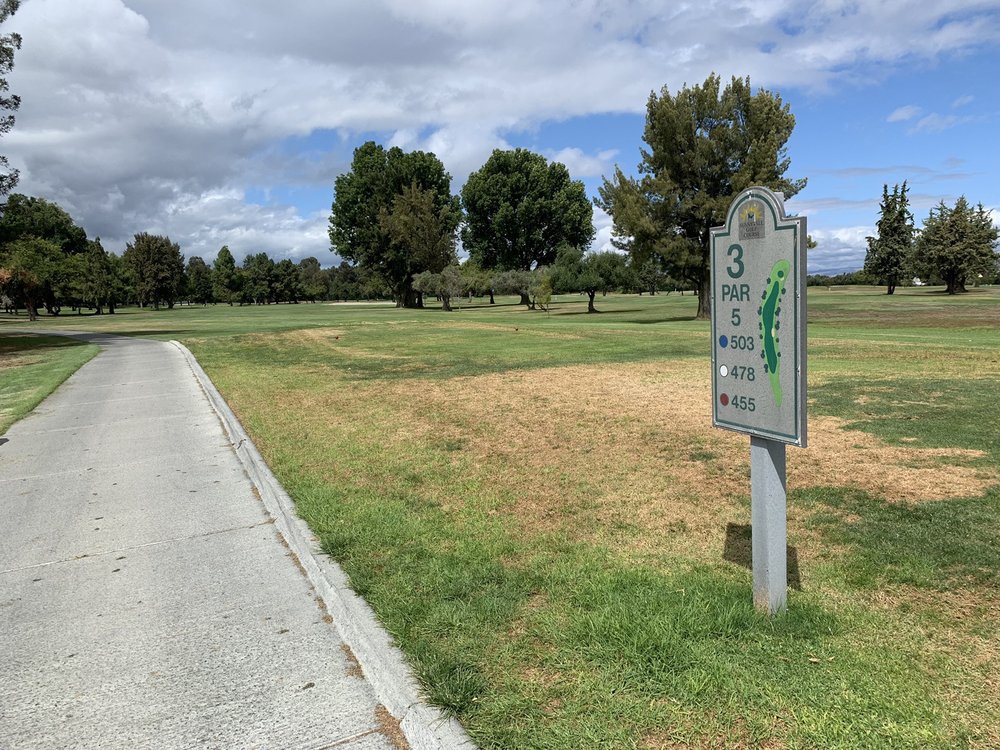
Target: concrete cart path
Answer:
[[147, 599]]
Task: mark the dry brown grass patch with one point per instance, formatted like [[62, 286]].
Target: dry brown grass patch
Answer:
[[587, 449], [389, 727]]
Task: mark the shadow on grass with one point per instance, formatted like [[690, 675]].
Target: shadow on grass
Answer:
[[606, 311], [674, 319], [150, 333], [22, 342], [932, 545], [738, 550]]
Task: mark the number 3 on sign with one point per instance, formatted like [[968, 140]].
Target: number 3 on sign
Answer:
[[735, 252]]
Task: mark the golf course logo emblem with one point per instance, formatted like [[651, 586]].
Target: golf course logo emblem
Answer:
[[769, 312], [752, 220]]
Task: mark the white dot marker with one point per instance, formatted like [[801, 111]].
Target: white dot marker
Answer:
[[723, 371]]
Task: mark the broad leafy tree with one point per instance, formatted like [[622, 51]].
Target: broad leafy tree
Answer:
[[889, 253], [476, 281], [225, 278], [28, 269], [384, 195], [704, 145], [446, 285], [520, 209], [590, 273], [9, 103], [957, 243], [25, 216], [156, 267]]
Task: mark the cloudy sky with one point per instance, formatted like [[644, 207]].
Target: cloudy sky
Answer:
[[223, 122]]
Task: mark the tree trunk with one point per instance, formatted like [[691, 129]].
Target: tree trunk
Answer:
[[891, 288], [492, 301], [526, 300], [590, 301], [705, 298], [446, 303]]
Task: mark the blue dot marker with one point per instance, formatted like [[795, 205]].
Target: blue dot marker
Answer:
[[723, 341]]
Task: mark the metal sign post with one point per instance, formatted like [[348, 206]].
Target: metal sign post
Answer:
[[758, 266]]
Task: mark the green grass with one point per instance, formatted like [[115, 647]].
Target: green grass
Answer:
[[33, 366], [549, 602], [935, 545]]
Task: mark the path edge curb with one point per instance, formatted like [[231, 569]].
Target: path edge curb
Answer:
[[384, 666]]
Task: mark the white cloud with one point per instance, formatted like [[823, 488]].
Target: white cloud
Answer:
[[962, 101], [580, 164], [902, 114], [603, 224], [935, 123], [142, 113], [839, 250]]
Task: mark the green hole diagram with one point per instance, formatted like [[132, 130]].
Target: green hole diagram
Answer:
[[770, 311]]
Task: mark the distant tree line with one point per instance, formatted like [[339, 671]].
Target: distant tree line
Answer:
[[48, 264], [527, 225], [957, 245]]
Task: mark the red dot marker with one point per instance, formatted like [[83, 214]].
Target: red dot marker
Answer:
[[724, 399]]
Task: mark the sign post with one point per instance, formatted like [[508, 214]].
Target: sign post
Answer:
[[758, 267]]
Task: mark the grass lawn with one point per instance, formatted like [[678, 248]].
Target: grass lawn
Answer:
[[31, 367], [539, 511]]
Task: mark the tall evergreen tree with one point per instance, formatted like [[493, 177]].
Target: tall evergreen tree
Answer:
[[889, 253], [706, 145], [312, 280], [96, 288], [956, 243], [199, 278], [258, 279], [225, 279]]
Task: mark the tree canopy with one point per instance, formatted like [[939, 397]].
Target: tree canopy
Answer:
[[225, 280], [156, 267], [520, 209], [370, 211], [705, 145], [28, 269], [199, 280], [25, 216], [956, 243], [9, 103], [889, 252]]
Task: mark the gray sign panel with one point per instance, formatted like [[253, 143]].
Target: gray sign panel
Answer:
[[758, 266]]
